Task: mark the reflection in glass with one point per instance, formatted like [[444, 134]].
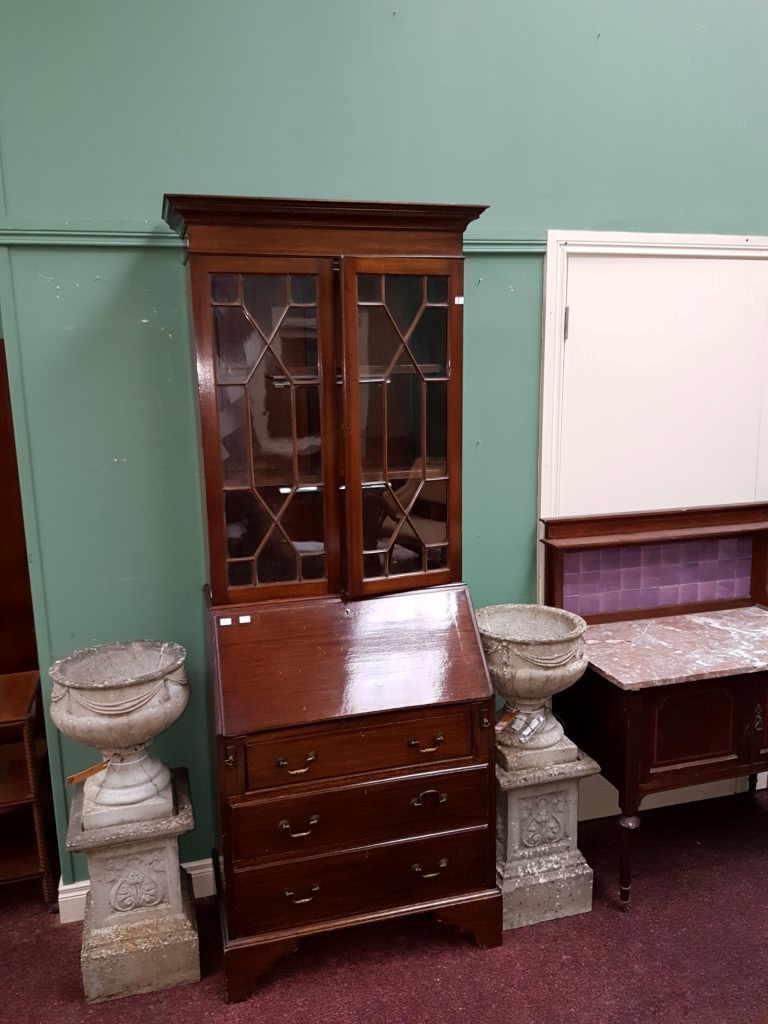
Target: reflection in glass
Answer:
[[378, 341], [404, 295], [233, 430], [303, 289], [437, 290], [313, 567], [302, 521], [274, 498], [403, 421], [309, 455], [437, 558], [240, 574], [372, 431], [295, 341], [247, 523], [369, 288], [404, 347], [271, 423], [277, 562], [374, 512], [224, 288], [429, 517], [238, 344], [429, 342], [268, 371], [437, 427], [265, 297], [405, 558]]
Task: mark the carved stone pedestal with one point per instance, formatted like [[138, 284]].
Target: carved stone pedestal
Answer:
[[140, 932], [541, 873]]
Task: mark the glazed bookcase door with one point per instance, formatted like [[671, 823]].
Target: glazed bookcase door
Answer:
[[402, 373], [267, 380]]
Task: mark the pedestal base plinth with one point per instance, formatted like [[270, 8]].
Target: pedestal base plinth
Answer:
[[140, 932], [541, 873], [128, 958]]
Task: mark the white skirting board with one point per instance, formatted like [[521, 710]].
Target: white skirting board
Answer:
[[72, 897]]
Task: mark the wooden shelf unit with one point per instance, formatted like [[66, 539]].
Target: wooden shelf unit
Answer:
[[26, 850]]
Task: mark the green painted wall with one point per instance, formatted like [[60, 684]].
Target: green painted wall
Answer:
[[642, 114]]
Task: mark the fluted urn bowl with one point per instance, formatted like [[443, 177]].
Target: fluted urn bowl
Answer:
[[532, 652], [117, 698]]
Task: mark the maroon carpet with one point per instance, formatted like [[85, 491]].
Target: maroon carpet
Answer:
[[694, 949]]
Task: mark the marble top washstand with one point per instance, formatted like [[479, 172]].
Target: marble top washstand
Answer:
[[638, 653]]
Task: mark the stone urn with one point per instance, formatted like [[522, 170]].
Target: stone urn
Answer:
[[532, 652], [118, 697]]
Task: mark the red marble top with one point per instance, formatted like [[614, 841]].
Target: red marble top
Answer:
[[679, 648]]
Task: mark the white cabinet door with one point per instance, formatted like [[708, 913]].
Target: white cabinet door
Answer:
[[663, 383]]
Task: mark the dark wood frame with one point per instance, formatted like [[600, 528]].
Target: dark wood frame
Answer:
[[262, 720], [586, 533], [231, 234], [622, 728], [295, 689]]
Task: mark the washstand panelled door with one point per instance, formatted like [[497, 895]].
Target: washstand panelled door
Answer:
[[654, 373]]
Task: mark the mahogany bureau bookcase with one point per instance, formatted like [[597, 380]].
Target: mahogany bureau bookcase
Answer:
[[676, 692], [354, 714]]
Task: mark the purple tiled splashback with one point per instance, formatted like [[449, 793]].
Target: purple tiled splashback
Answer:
[[652, 575]]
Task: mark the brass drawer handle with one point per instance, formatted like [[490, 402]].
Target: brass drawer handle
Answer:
[[286, 826], [759, 720], [441, 865], [417, 800], [282, 763], [427, 750], [289, 895]]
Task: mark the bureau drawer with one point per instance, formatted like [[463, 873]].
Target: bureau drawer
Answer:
[[304, 755], [303, 891], [417, 804]]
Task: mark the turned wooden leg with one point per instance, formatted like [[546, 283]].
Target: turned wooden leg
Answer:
[[627, 823], [752, 784]]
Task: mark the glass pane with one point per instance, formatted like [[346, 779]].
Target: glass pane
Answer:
[[437, 428], [372, 431], [274, 498], [437, 289], [404, 295], [377, 529], [266, 298], [295, 342], [429, 342], [277, 562], [302, 521], [238, 344], [403, 421], [233, 430], [429, 517], [303, 289], [247, 523], [224, 288], [437, 558], [407, 554], [313, 567], [240, 574], [271, 424], [404, 491], [369, 288], [377, 340], [309, 458]]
